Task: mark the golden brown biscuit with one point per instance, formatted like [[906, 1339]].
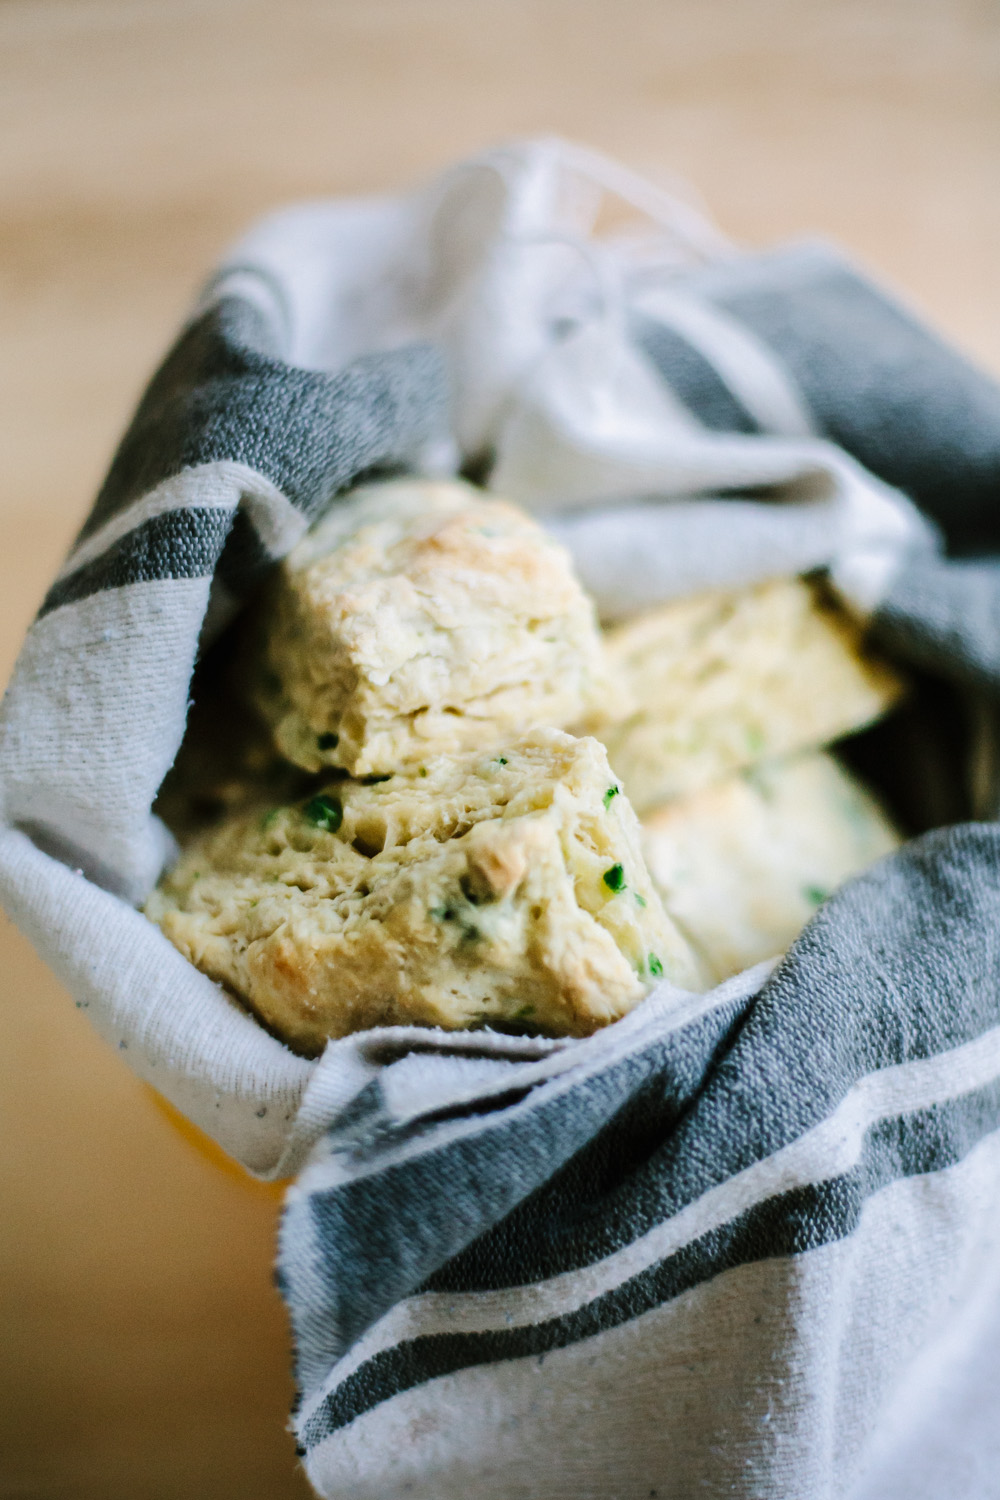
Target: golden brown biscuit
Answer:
[[709, 684], [742, 865], [477, 889], [422, 619]]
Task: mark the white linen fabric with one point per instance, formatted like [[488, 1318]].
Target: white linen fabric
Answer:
[[737, 1243]]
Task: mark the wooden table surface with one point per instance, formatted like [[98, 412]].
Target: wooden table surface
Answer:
[[144, 1351]]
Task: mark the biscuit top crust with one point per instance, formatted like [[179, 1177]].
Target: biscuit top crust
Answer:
[[420, 618], [710, 637]]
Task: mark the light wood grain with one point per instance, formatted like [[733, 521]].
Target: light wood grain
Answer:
[[144, 1350]]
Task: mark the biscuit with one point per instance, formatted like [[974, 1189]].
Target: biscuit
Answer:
[[707, 685], [421, 619], [742, 866], [501, 888]]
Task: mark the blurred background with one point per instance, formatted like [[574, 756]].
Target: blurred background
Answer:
[[144, 1351]]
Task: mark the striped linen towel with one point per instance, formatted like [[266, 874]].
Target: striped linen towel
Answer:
[[737, 1243]]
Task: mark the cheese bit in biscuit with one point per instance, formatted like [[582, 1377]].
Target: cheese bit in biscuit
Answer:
[[422, 619], [709, 684], [484, 889], [742, 866]]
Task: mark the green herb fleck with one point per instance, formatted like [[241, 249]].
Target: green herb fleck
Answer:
[[325, 812], [469, 932], [268, 819], [760, 779], [640, 900], [423, 770], [501, 760], [614, 878], [524, 1013], [655, 966], [815, 894], [611, 793], [328, 741]]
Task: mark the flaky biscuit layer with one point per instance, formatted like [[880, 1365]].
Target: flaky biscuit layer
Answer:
[[504, 888], [420, 619]]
